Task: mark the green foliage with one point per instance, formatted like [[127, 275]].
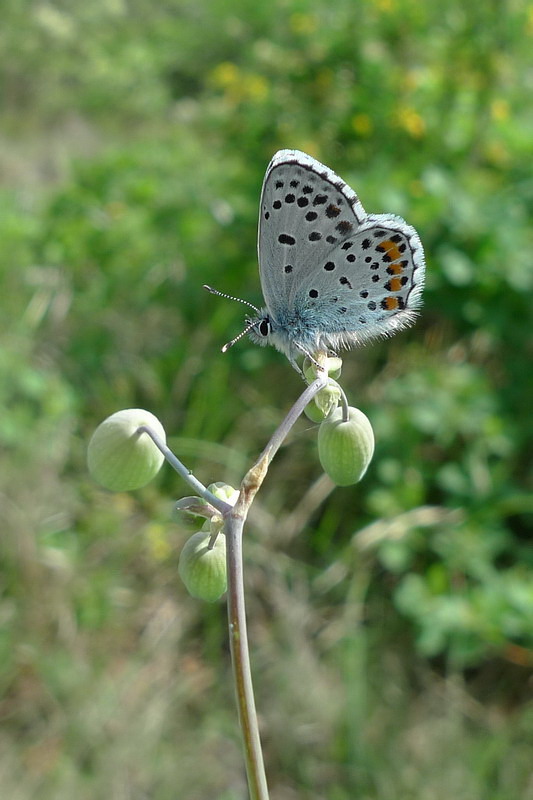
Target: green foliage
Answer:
[[134, 141]]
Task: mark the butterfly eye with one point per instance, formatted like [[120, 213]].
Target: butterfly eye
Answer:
[[264, 327]]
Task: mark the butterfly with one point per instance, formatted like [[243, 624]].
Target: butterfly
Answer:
[[332, 275]]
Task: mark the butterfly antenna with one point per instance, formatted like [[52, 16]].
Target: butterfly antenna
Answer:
[[239, 300], [230, 297], [241, 334]]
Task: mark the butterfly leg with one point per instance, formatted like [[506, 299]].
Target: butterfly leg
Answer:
[[308, 355], [294, 364]]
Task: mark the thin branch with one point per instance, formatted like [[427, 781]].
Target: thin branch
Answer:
[[236, 607], [234, 519], [240, 660], [344, 403], [281, 433], [185, 473]]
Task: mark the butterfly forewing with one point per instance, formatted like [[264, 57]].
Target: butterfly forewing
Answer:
[[306, 211]]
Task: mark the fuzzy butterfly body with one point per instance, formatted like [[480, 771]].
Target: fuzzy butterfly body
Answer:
[[332, 275]]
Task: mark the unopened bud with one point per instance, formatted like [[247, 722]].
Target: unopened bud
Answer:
[[119, 457], [345, 449], [202, 567]]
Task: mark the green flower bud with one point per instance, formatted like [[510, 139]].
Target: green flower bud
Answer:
[[313, 413], [345, 449], [224, 492], [323, 403], [332, 365], [119, 458], [328, 398], [203, 569]]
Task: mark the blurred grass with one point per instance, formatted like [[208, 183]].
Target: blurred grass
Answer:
[[390, 623]]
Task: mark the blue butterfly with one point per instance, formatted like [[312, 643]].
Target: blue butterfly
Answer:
[[332, 275]]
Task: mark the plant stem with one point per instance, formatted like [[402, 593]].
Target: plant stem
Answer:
[[344, 403], [234, 519], [281, 432], [240, 658], [185, 473], [240, 654]]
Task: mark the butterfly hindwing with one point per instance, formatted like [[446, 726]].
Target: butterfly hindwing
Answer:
[[369, 285], [323, 260]]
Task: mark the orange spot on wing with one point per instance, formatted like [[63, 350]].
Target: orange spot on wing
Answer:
[[391, 248], [395, 284], [395, 269], [394, 253], [391, 303]]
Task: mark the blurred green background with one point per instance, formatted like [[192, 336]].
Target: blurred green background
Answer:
[[391, 623]]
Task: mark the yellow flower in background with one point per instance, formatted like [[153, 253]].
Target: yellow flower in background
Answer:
[[362, 124], [408, 119], [499, 110], [225, 75], [238, 85], [308, 146], [324, 78], [157, 542], [255, 87], [385, 5], [303, 23], [411, 78], [123, 502], [496, 153]]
